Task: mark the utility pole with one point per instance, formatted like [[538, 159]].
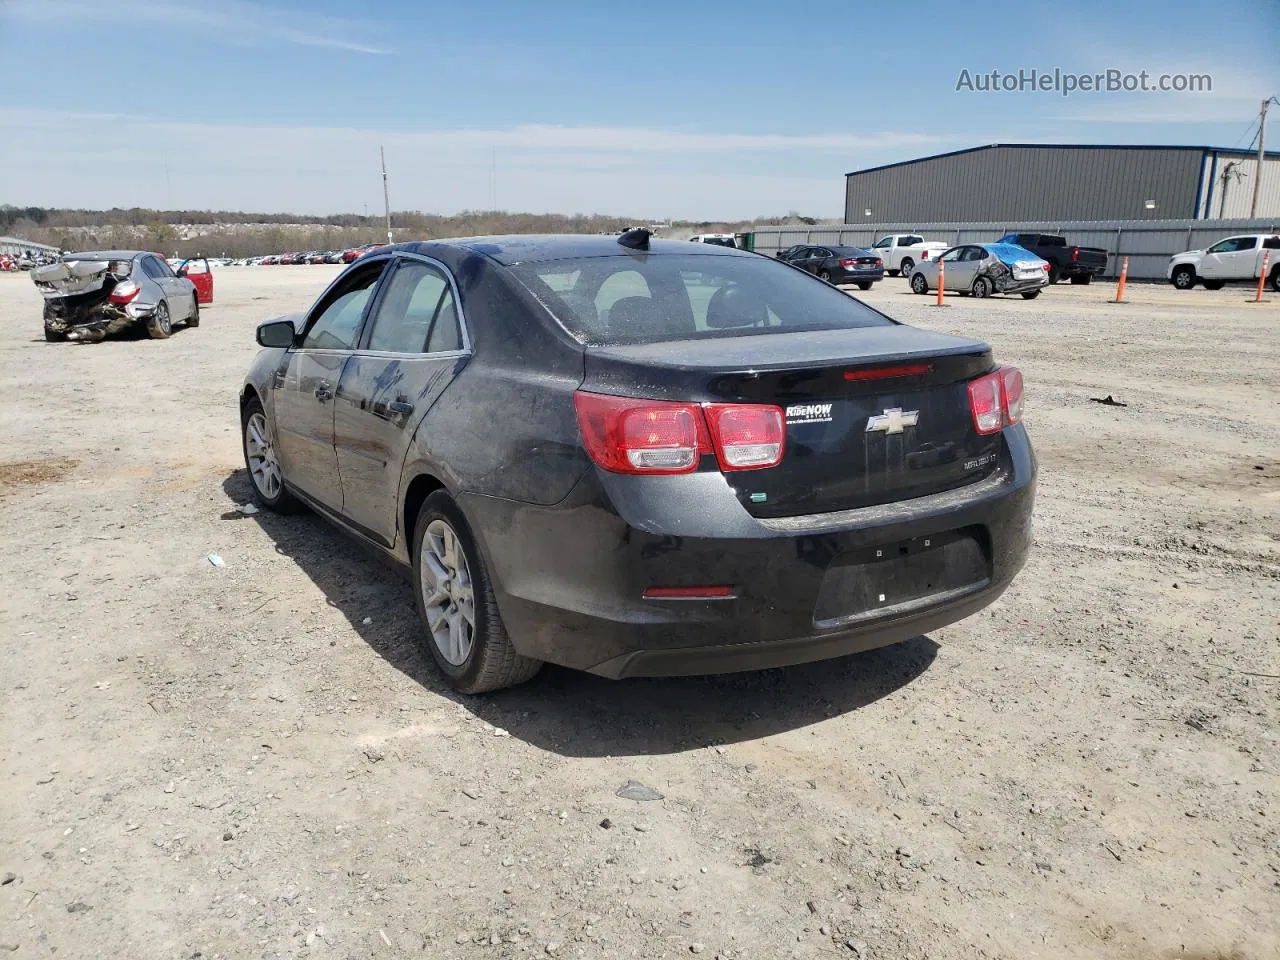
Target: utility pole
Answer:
[[1262, 155], [1229, 170], [386, 197]]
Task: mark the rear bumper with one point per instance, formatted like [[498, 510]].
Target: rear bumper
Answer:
[[858, 276], [570, 578]]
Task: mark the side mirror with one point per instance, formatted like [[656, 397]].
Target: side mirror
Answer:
[[276, 333]]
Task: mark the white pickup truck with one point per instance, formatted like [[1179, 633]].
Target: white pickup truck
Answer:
[[902, 251], [1232, 259]]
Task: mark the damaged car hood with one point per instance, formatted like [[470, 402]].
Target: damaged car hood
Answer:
[[1012, 255]]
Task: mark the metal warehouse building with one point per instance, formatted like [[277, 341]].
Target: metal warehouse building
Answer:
[[1030, 181]]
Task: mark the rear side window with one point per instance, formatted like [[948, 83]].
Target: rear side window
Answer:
[[418, 299], [910, 241], [651, 299]]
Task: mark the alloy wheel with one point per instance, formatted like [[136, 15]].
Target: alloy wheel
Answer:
[[264, 466], [448, 598]]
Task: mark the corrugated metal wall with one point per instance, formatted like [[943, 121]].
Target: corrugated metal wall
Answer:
[[1022, 183], [1239, 186], [1147, 243]]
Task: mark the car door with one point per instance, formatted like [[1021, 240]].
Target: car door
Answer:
[[1244, 262], [967, 267], [1219, 261], [950, 259], [176, 291], [307, 380], [817, 257], [198, 271], [411, 349]]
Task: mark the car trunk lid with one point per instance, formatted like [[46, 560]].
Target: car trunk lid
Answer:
[[873, 415], [69, 277]]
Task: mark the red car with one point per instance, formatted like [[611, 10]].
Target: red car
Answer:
[[356, 252]]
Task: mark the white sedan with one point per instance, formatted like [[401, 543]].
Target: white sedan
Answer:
[[981, 269]]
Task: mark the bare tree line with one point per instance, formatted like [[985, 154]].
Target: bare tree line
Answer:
[[240, 234]]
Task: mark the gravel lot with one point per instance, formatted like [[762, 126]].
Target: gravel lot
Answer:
[[254, 761]]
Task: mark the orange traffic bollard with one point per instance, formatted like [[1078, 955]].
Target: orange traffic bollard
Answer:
[[942, 269], [1262, 274], [1124, 277]]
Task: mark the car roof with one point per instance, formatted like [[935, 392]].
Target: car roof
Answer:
[[107, 254], [527, 248]]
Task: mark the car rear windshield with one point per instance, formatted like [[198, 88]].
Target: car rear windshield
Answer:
[[658, 297]]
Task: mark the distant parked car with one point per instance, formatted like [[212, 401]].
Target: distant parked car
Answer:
[[270, 261], [981, 269], [88, 296], [902, 251], [719, 239], [354, 253], [837, 264], [333, 256], [1066, 262], [1232, 259]]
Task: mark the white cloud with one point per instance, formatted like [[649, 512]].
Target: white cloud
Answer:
[[102, 160], [235, 22]]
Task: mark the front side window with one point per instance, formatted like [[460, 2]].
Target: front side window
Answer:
[[952, 255], [418, 299], [1234, 244], [657, 298], [338, 318], [884, 244]]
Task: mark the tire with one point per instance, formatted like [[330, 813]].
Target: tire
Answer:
[[825, 275], [159, 325], [1275, 279], [906, 266], [919, 284], [194, 319], [865, 284], [1081, 279], [982, 288], [1214, 284], [1031, 295], [50, 334], [1055, 273], [1184, 277], [475, 655], [260, 460]]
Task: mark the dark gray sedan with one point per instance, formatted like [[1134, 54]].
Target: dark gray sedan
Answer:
[[837, 264], [642, 458]]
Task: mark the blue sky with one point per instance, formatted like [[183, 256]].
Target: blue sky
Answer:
[[651, 109]]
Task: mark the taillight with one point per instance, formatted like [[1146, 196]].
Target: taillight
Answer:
[[1047, 267], [124, 292], [1011, 393], [629, 435], [747, 436], [1075, 253], [924, 254], [626, 435], [995, 400], [879, 262], [848, 264]]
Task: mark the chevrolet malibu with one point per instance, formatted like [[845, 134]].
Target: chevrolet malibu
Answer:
[[642, 458]]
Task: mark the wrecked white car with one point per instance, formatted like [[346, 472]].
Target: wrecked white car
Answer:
[[89, 296], [981, 269]]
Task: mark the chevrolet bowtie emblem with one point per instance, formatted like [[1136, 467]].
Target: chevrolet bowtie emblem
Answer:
[[893, 420]]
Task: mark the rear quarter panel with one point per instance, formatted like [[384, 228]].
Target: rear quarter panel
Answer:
[[505, 427]]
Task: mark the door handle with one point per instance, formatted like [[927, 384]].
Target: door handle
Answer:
[[324, 392], [401, 407]]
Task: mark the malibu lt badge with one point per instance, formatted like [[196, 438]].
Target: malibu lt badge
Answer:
[[893, 420]]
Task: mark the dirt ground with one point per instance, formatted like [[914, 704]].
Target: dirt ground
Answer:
[[254, 760]]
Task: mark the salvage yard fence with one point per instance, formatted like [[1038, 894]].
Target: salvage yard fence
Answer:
[[1147, 243]]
